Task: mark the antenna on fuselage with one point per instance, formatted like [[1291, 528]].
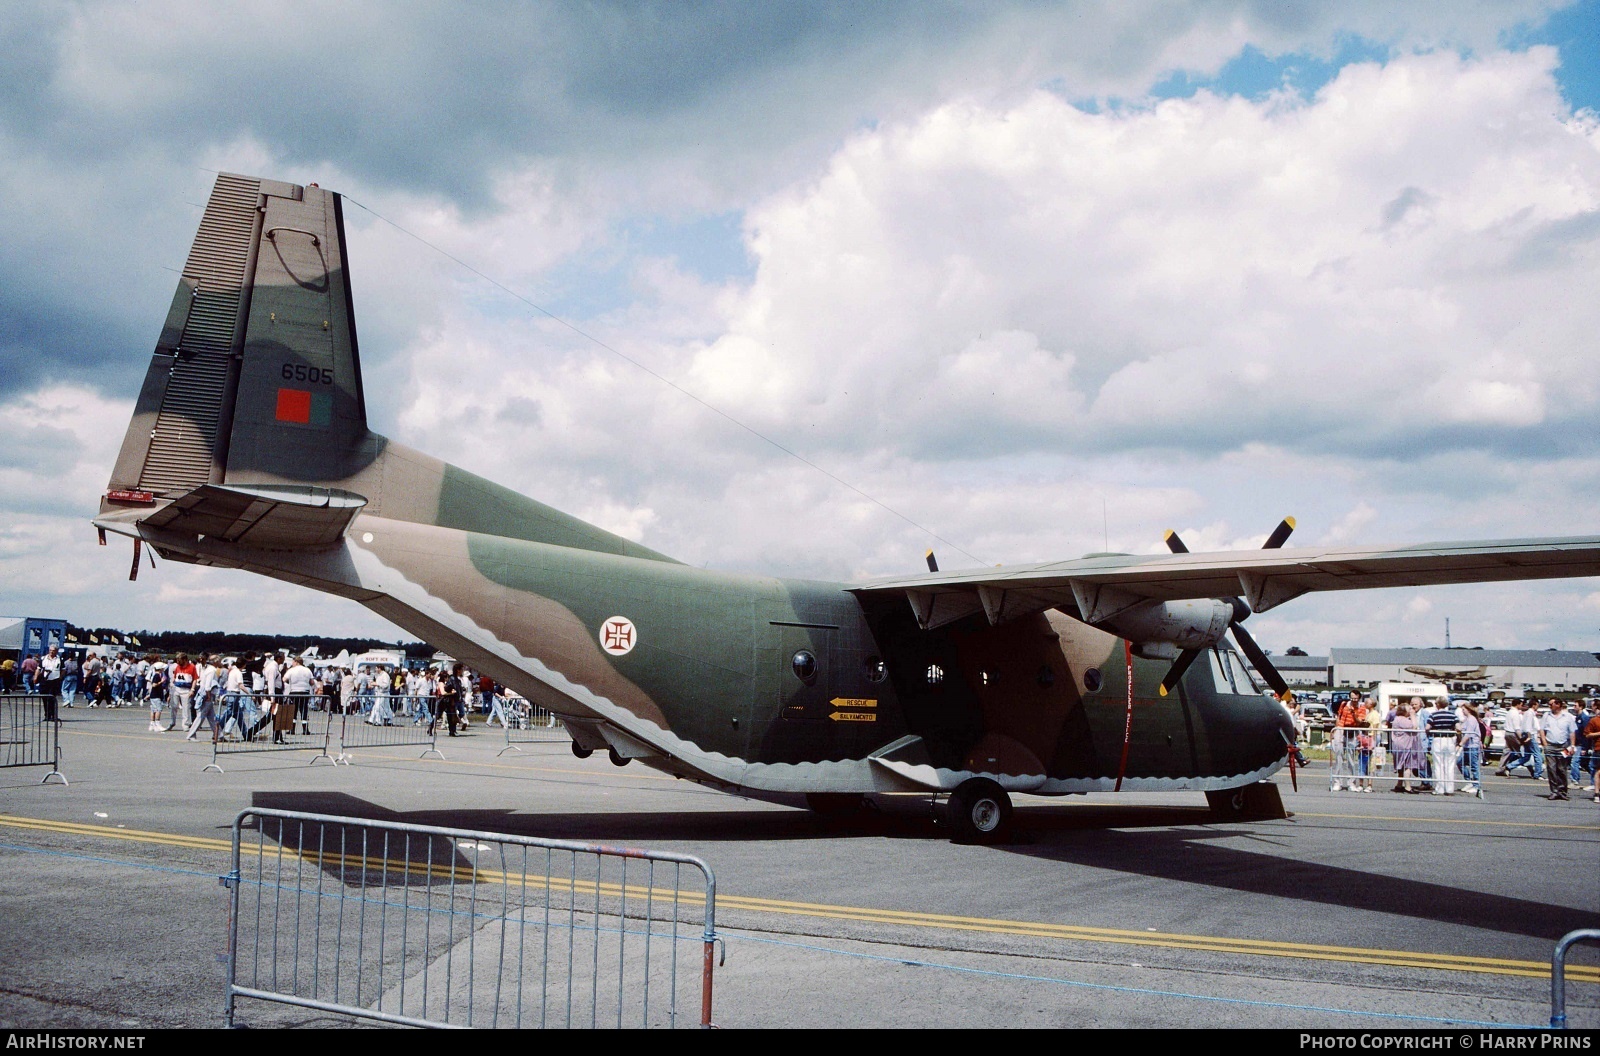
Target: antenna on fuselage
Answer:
[[933, 562]]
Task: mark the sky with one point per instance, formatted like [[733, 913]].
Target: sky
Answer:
[[1015, 281]]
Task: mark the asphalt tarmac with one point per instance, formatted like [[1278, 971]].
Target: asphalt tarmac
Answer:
[[1358, 911]]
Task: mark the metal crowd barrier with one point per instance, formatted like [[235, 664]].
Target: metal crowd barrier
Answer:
[[528, 723], [30, 733], [390, 722], [1359, 755], [242, 723], [1558, 973], [422, 926]]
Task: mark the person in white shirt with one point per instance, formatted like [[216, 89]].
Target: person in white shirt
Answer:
[[347, 690], [296, 699], [1522, 742], [381, 714], [1557, 736], [209, 688], [271, 676]]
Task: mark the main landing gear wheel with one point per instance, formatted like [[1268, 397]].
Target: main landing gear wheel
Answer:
[[616, 760], [977, 811], [580, 751]]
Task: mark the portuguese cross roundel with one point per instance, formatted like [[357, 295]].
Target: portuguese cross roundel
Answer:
[[618, 636]]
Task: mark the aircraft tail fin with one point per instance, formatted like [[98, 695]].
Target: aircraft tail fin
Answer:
[[256, 377], [251, 426]]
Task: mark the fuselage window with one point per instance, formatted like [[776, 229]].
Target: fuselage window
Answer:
[[876, 669], [1047, 676], [935, 674], [805, 666]]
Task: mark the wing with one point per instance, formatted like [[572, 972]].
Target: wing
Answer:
[[1097, 587]]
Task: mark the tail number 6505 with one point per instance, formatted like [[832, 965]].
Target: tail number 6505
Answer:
[[312, 375]]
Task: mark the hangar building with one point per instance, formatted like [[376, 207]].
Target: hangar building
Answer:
[[1551, 670], [1302, 670]]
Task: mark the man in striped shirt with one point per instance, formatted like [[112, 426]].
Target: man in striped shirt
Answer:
[[1444, 729]]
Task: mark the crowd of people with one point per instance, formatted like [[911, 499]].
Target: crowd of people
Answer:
[[244, 698], [1435, 746]]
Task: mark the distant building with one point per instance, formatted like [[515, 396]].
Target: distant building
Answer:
[[1550, 670], [1303, 670]]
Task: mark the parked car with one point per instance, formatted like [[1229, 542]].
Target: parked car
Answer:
[[1495, 746], [1318, 716]]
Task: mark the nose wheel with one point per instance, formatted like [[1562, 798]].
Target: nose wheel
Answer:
[[977, 811]]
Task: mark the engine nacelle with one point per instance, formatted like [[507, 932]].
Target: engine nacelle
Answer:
[[1194, 624]]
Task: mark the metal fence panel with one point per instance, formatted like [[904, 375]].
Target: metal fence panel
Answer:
[[243, 723], [1361, 758], [424, 926], [30, 733], [526, 722], [391, 722], [1558, 973]]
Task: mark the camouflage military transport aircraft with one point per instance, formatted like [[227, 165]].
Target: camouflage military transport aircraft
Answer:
[[249, 448]]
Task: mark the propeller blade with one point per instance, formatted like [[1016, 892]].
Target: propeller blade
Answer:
[[1279, 534], [1263, 666], [1175, 672], [1174, 543], [933, 564]]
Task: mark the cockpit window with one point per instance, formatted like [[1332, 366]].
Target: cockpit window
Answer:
[[1231, 674], [1241, 674]]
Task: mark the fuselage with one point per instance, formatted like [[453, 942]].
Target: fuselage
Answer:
[[769, 685]]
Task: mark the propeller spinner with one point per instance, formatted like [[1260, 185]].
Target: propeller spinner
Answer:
[[1241, 611]]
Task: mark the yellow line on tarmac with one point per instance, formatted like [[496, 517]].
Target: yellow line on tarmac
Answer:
[[943, 922], [74, 828]]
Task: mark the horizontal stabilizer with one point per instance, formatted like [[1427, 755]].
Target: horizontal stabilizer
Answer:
[[265, 516]]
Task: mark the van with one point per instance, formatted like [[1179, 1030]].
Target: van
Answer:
[[1387, 694]]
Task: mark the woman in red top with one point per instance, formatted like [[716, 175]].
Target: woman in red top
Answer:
[[184, 676]]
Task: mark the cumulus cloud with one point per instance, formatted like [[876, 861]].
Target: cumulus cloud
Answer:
[[1040, 331], [987, 279]]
